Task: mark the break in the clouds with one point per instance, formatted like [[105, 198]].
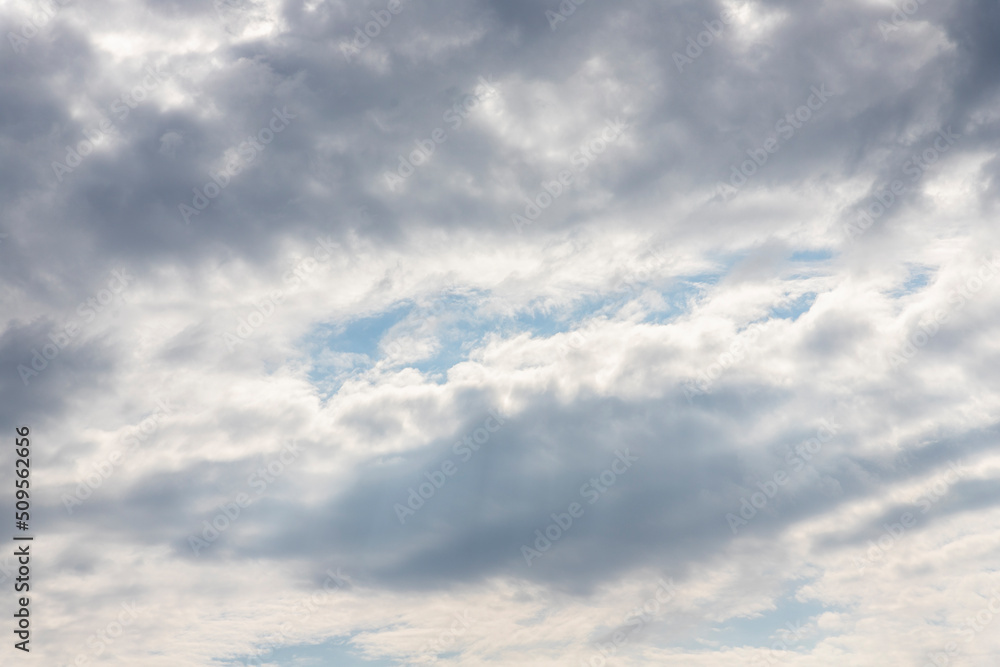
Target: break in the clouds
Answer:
[[508, 332]]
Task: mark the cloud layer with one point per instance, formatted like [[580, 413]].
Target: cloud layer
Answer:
[[504, 332]]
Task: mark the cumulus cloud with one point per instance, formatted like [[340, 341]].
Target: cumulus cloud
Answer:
[[504, 332]]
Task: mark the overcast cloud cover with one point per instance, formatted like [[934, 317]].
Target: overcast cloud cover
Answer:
[[503, 332]]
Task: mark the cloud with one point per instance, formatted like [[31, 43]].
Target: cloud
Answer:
[[691, 235]]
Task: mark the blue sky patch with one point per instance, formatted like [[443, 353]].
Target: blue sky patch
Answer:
[[335, 651], [771, 627]]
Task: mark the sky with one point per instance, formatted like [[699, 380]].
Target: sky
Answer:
[[502, 332]]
